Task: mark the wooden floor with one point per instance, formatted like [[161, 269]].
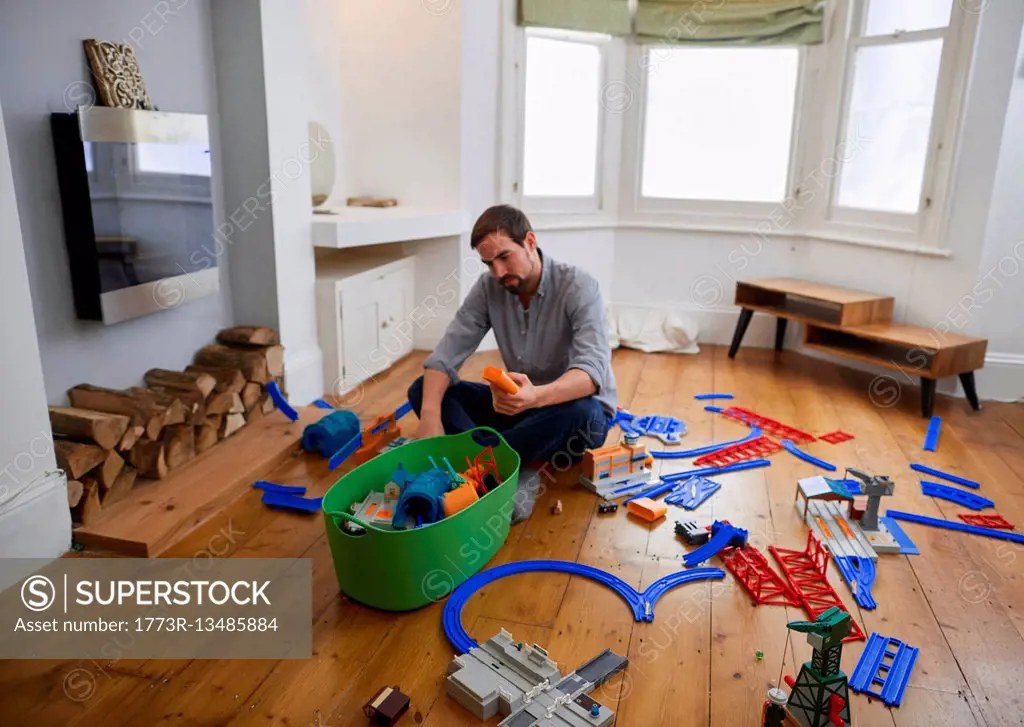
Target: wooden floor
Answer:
[[961, 601]]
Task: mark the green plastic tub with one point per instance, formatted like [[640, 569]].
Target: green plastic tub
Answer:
[[401, 570]]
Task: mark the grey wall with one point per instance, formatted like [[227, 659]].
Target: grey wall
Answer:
[[43, 70]]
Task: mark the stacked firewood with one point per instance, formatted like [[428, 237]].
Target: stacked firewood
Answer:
[[108, 437]]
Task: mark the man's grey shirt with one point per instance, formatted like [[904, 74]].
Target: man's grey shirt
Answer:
[[564, 328]]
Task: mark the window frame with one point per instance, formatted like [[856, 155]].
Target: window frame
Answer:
[[703, 211], [606, 133], [926, 227]]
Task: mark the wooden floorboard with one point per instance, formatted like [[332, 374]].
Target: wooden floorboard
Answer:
[[959, 601]]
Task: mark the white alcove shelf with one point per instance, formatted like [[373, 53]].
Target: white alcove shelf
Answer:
[[348, 227]]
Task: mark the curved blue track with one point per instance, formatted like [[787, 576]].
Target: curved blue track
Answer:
[[701, 451], [642, 604], [797, 452], [287, 409]]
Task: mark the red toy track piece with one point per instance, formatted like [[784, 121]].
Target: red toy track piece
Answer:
[[835, 437], [807, 571], [996, 521], [770, 426], [759, 447], [757, 576]]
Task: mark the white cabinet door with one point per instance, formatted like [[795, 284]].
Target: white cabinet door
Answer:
[[360, 322], [395, 292]]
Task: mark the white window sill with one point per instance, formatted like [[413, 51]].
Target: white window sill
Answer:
[[584, 222]]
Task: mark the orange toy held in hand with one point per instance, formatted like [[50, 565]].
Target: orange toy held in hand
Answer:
[[497, 377]]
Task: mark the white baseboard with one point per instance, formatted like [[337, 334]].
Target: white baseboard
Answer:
[[36, 522], [304, 375], [1002, 378]]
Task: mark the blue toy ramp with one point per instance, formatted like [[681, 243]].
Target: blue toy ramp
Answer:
[[884, 669], [960, 497], [956, 479], [723, 536], [859, 574]]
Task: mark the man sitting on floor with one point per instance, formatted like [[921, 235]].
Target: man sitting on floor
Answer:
[[550, 324]]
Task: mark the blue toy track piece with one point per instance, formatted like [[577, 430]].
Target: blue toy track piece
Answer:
[[283, 489], [935, 522], [960, 497], [667, 429], [345, 452], [797, 452], [706, 397], [652, 492], [714, 409], [280, 402], [907, 546], [723, 535], [692, 493], [322, 404], [884, 669], [284, 501], [642, 604], [946, 476], [751, 464], [708, 449], [859, 574], [931, 439]]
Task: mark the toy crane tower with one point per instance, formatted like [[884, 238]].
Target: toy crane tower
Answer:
[[819, 696], [875, 486]]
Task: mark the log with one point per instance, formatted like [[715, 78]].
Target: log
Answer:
[[267, 405], [228, 379], [193, 402], [208, 433], [74, 492], [76, 458], [131, 436], [147, 457], [181, 380], [231, 424], [179, 445], [102, 428], [107, 472], [137, 405], [275, 361], [167, 405], [121, 487], [254, 415], [251, 362], [237, 405], [251, 396], [88, 507], [221, 402], [248, 335]]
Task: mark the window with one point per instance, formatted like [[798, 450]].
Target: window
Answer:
[[895, 57], [561, 120], [718, 123], [853, 139], [183, 159]]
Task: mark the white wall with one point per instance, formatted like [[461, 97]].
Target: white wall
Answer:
[[34, 517], [43, 70], [265, 101], [997, 297]]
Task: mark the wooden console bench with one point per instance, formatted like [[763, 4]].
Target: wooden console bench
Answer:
[[858, 325]]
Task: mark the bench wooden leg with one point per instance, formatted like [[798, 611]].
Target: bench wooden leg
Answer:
[[967, 380], [927, 396], [780, 332], [741, 329]]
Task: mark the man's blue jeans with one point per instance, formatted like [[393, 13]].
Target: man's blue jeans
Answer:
[[556, 434]]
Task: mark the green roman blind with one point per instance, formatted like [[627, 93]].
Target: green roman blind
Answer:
[[596, 16], [730, 22]]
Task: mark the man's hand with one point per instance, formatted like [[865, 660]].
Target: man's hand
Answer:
[[429, 427], [527, 397]]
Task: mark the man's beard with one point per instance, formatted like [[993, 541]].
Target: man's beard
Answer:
[[512, 283]]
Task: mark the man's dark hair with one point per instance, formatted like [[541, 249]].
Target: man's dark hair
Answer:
[[501, 218]]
